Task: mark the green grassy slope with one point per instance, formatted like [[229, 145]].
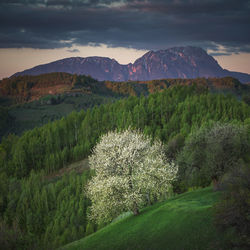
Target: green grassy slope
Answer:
[[183, 222], [35, 114]]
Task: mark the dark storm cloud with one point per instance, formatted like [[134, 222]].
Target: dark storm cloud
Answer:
[[220, 54], [138, 24]]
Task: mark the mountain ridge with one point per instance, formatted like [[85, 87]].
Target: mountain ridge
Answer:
[[176, 62]]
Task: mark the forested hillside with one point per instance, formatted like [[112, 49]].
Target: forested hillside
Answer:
[[164, 115], [27, 102], [47, 213], [21, 89]]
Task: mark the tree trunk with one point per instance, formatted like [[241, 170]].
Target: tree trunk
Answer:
[[135, 207], [215, 183], [148, 199], [136, 210]]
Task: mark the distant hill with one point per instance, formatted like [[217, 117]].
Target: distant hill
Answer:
[[30, 101], [177, 62], [27, 88]]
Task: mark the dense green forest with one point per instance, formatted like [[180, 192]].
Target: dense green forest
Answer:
[[27, 102], [45, 213], [40, 212], [164, 115]]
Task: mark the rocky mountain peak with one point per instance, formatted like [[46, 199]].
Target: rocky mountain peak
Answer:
[[176, 62]]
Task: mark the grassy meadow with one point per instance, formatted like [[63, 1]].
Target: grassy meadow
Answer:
[[182, 222]]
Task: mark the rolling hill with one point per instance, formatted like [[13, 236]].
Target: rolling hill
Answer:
[[30, 101], [183, 222]]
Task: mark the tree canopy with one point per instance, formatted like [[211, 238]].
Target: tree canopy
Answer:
[[129, 171], [211, 152]]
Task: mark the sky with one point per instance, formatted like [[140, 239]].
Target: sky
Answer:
[[34, 32]]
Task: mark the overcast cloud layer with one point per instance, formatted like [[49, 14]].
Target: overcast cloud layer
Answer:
[[152, 24]]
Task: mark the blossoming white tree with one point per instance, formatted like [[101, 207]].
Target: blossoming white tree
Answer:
[[128, 170]]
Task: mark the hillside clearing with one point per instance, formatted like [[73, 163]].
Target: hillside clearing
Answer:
[[78, 167]]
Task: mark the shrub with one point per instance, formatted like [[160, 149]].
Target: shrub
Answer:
[[233, 209]]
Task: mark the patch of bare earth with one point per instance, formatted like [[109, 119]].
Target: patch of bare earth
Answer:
[[37, 92], [78, 167]]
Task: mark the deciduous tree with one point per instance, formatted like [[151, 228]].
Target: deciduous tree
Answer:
[[129, 170], [211, 152]]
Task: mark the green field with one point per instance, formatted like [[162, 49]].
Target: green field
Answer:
[[35, 114], [183, 222]]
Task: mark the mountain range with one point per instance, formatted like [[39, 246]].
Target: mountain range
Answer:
[[177, 62]]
